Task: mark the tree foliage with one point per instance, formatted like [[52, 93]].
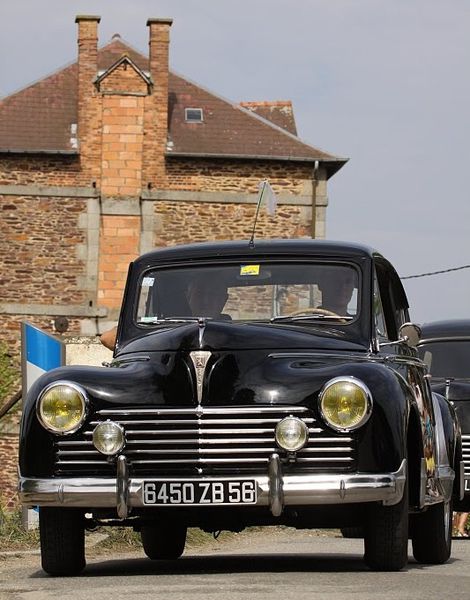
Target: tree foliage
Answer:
[[9, 375]]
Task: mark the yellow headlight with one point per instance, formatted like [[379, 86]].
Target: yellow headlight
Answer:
[[345, 403], [62, 407]]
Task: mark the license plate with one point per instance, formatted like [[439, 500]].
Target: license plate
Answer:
[[199, 492]]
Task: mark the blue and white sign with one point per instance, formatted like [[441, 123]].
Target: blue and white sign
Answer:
[[40, 352]]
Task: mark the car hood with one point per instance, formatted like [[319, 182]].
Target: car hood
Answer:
[[456, 390], [246, 364], [217, 335]]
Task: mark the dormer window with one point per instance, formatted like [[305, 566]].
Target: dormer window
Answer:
[[193, 115]]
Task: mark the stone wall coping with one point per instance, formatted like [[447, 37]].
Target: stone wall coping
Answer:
[[127, 205], [53, 310], [223, 197], [49, 190]]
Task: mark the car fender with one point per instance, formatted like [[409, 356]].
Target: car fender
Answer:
[[445, 444]]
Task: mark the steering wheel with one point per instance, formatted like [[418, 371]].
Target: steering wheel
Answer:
[[313, 311]]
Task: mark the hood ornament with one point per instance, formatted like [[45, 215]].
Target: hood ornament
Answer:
[[202, 326], [199, 359]]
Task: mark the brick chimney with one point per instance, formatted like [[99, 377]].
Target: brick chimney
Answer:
[[156, 104], [89, 112]]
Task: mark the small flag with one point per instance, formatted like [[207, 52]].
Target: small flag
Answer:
[[267, 194]]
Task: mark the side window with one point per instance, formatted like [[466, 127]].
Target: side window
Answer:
[[379, 317], [400, 303], [392, 294]]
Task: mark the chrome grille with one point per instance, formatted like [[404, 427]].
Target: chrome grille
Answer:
[[203, 440], [466, 454]]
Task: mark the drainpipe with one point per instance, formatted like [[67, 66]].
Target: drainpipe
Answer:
[[314, 199]]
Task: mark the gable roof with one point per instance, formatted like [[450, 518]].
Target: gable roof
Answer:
[[41, 118], [126, 61]]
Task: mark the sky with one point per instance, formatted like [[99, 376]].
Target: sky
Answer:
[[385, 83]]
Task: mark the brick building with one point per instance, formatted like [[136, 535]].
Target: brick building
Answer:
[[114, 155]]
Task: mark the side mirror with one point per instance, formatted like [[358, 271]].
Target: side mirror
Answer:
[[410, 334]]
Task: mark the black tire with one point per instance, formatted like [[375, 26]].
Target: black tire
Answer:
[[386, 536], [62, 534], [352, 532], [163, 541], [431, 534]]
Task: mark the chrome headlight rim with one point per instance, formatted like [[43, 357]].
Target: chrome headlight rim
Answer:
[[304, 427], [123, 435], [85, 406], [351, 380]]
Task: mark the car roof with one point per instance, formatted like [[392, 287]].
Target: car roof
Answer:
[[446, 329], [259, 249]]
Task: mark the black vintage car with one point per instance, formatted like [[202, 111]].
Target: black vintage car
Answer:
[[445, 348], [252, 384]]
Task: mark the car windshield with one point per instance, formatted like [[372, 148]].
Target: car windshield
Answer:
[[447, 359], [276, 292]]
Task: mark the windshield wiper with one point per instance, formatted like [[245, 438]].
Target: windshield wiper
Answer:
[[158, 321], [294, 318]]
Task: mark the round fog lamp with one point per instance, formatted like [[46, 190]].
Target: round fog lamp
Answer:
[[108, 438], [291, 434]]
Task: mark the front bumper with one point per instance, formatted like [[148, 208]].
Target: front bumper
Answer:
[[275, 490]]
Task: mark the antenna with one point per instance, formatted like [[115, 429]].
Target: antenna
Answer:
[[251, 243]]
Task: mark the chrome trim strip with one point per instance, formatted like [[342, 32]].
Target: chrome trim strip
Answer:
[[297, 489], [423, 480], [462, 480], [359, 357], [206, 461], [207, 411], [207, 433], [192, 421], [221, 451]]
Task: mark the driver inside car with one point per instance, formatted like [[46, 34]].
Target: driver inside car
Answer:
[[338, 292], [205, 298]]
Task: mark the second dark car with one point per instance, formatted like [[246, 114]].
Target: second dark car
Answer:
[[445, 349]]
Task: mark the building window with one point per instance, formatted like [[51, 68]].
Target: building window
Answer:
[[193, 115]]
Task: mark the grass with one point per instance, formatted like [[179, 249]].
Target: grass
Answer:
[[13, 536], [124, 539]]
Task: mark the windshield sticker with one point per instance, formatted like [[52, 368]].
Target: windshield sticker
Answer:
[[247, 270], [148, 281]]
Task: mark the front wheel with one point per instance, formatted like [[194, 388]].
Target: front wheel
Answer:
[[431, 534], [164, 541], [62, 535], [386, 536]]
